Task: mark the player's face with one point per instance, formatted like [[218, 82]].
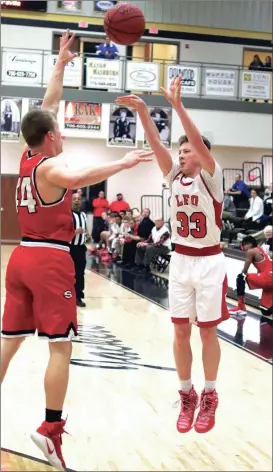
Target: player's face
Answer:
[[246, 247], [187, 159]]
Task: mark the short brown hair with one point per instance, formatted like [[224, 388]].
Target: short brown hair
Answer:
[[183, 139], [35, 126]]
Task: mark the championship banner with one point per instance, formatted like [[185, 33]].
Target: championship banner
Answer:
[[255, 84], [72, 72], [103, 73], [162, 118], [122, 127], [142, 76], [190, 78], [220, 82], [11, 113], [21, 68], [82, 116], [34, 103]]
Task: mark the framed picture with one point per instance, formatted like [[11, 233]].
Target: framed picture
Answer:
[[102, 6], [69, 5]]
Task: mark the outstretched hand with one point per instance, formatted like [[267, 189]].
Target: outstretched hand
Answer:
[[131, 101], [137, 156], [65, 55], [173, 95]]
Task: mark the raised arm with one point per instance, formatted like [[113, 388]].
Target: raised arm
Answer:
[[162, 155], [57, 173], [173, 95], [54, 90]]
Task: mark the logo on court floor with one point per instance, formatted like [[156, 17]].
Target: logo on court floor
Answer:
[[105, 351], [68, 294]]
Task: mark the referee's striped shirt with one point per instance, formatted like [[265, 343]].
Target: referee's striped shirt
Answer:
[[79, 221]]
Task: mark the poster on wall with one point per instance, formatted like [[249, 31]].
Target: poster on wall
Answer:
[[72, 72], [102, 6], [162, 118], [190, 78], [82, 116], [34, 103], [142, 76], [255, 84], [22, 68], [122, 127], [220, 82], [103, 74], [11, 113]]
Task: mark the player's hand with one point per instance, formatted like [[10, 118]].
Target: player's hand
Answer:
[[135, 157], [131, 101], [173, 95], [65, 55]]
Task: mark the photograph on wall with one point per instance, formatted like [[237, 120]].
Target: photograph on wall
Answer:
[[69, 5], [122, 127], [34, 103], [102, 6], [11, 113], [82, 116], [162, 118]]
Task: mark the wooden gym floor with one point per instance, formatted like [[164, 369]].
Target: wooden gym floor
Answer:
[[121, 392]]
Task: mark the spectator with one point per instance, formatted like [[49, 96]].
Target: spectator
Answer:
[[129, 246], [145, 224], [256, 63], [256, 210], [240, 193], [107, 50], [100, 206], [119, 204], [267, 246], [229, 212], [268, 200], [115, 231], [129, 214], [158, 243], [268, 63]]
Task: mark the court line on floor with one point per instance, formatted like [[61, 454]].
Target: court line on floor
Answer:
[[100, 273], [26, 456]]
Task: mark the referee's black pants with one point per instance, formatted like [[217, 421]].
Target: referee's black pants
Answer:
[[78, 254]]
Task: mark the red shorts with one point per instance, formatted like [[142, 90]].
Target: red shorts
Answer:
[[264, 281], [40, 294]]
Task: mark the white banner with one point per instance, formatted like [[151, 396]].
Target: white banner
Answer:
[[72, 73], [220, 82], [142, 76], [256, 84], [103, 73], [22, 68], [190, 78]]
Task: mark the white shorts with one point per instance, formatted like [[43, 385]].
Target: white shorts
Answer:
[[197, 289]]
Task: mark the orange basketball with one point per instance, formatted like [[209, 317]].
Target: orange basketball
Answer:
[[124, 24]]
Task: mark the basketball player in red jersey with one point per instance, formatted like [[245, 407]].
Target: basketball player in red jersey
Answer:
[[263, 279], [40, 279], [197, 281]]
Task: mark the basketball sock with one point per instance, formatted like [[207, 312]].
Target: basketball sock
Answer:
[[51, 416], [185, 385], [210, 385]]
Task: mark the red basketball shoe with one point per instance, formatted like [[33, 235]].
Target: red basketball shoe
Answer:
[[189, 403], [48, 438], [205, 420], [240, 309]]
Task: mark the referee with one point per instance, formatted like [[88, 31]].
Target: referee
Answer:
[[78, 247]]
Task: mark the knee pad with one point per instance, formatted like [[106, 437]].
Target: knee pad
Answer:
[[240, 285]]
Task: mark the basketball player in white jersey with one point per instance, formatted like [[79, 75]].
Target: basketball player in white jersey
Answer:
[[197, 281]]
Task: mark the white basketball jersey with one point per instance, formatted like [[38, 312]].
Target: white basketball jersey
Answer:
[[196, 208]]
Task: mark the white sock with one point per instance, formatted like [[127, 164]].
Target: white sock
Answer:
[[210, 385], [185, 385]]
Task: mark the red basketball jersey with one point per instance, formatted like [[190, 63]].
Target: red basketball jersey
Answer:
[[39, 220], [266, 264]]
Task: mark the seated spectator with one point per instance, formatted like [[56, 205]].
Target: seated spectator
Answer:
[[128, 243], [229, 211], [145, 224], [115, 231], [267, 246], [105, 234], [157, 244], [240, 193], [119, 204], [255, 212], [129, 214], [122, 214], [268, 199], [107, 50]]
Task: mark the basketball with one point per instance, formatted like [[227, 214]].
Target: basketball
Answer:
[[124, 24]]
